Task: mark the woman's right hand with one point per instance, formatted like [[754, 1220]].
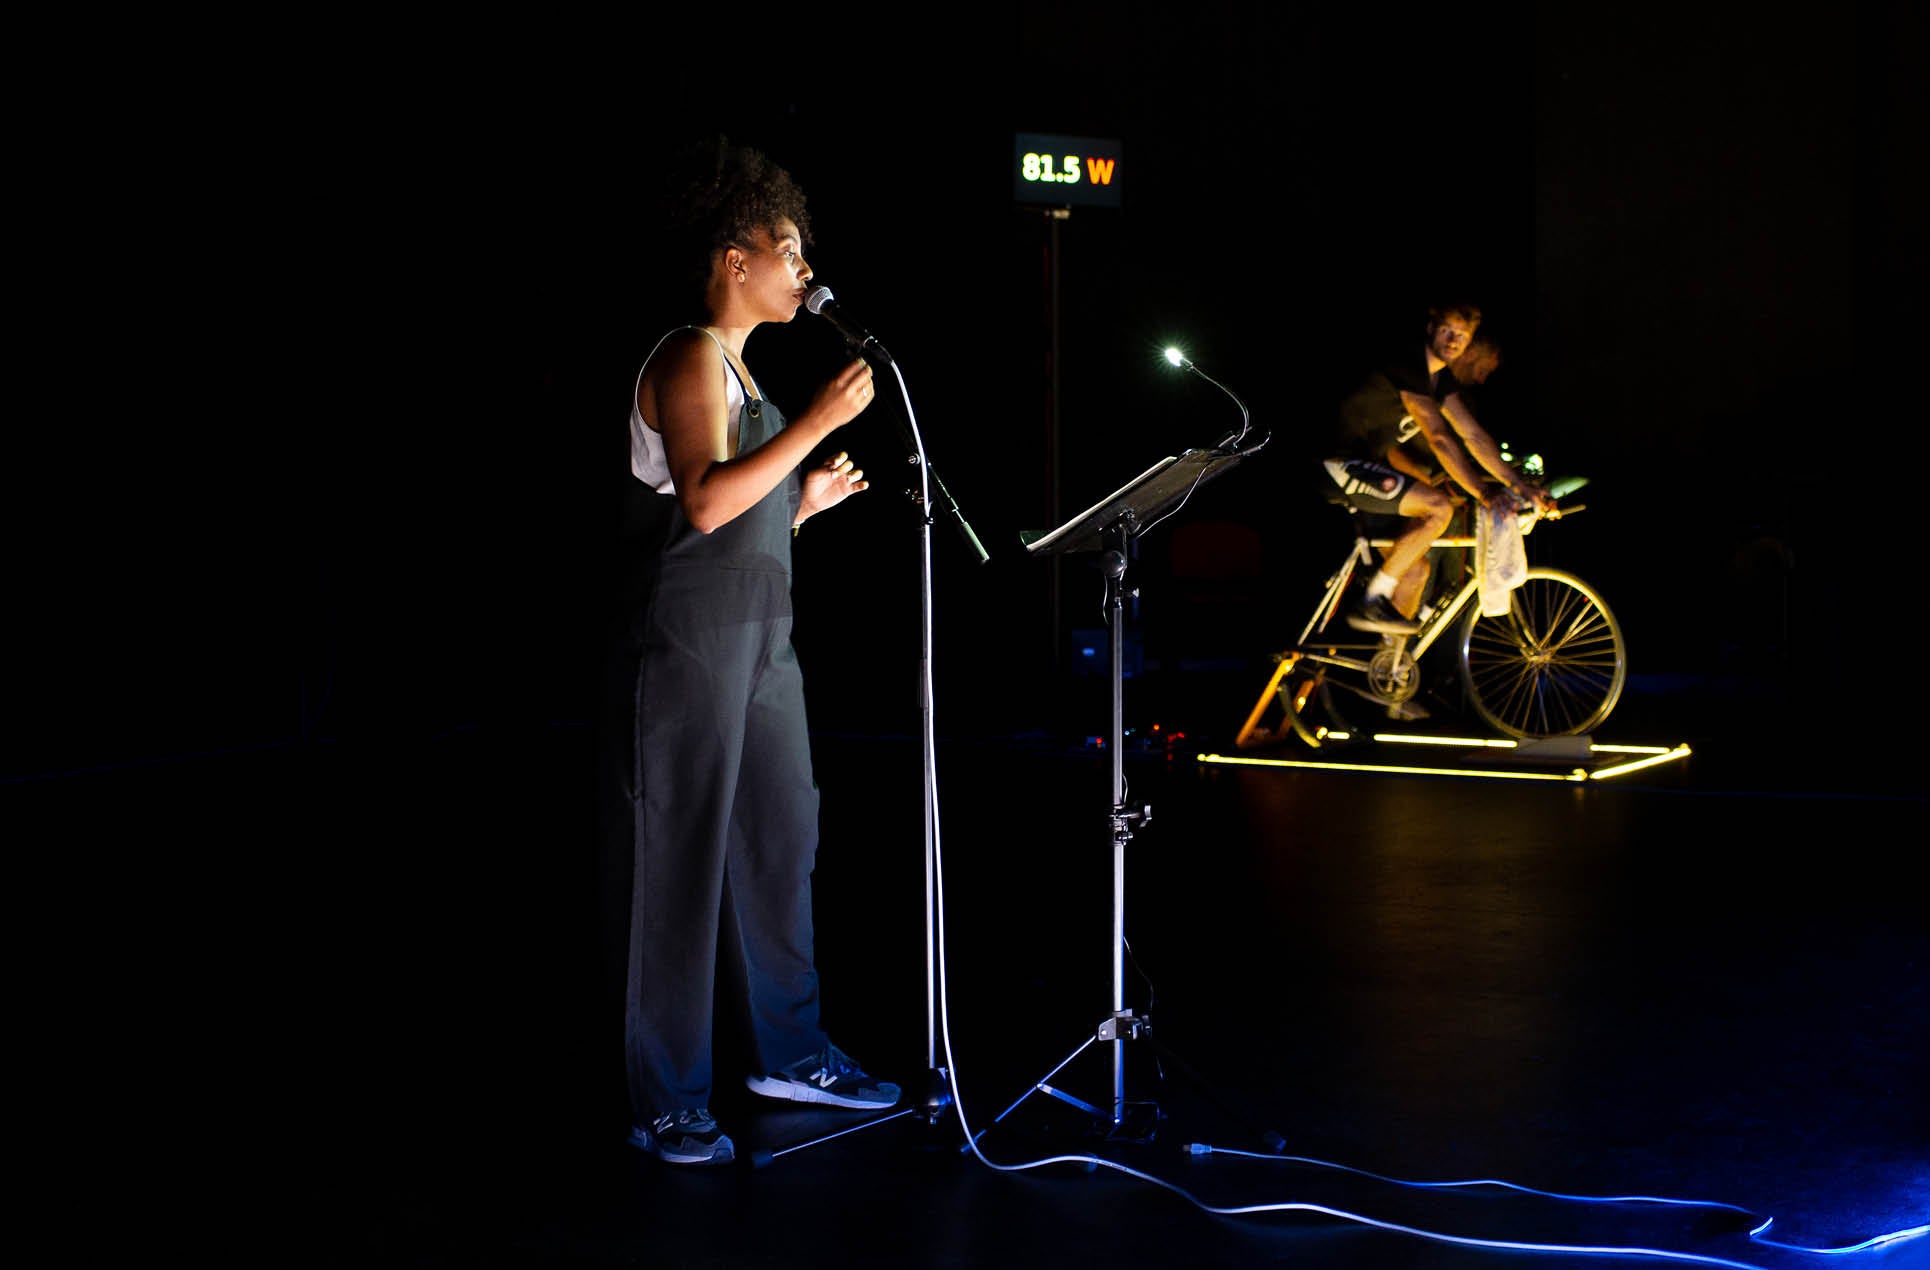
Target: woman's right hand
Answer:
[[844, 396]]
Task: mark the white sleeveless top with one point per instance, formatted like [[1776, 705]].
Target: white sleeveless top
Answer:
[[648, 461]]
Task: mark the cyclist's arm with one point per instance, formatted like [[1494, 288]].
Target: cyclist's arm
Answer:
[[1488, 454], [1440, 439]]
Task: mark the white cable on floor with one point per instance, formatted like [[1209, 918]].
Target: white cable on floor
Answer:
[[971, 1142]]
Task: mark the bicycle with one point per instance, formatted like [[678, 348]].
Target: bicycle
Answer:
[[1552, 665]]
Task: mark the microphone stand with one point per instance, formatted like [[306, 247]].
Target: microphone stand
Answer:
[[866, 346], [937, 1095]]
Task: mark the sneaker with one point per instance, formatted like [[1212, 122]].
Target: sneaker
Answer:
[[1375, 613], [689, 1136], [1409, 711], [828, 1077]]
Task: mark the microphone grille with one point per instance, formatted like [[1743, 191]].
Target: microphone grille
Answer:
[[819, 297]]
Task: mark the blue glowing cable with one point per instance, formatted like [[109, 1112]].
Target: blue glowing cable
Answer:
[[972, 1144], [1468, 1241], [1895, 1236], [1755, 1235], [1201, 1148]]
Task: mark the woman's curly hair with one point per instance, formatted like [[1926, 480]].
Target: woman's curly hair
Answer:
[[721, 195], [1477, 361]]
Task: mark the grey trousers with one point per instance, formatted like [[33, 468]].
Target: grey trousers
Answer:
[[725, 823]]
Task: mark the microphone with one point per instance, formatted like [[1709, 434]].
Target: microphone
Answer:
[[821, 302]]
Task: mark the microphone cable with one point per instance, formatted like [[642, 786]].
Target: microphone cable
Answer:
[[1089, 1160]]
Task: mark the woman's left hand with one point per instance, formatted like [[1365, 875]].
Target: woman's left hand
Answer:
[[829, 484]]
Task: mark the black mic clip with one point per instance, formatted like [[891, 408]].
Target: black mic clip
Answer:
[[825, 305]]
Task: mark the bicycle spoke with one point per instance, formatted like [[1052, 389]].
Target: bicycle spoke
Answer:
[[1552, 666]]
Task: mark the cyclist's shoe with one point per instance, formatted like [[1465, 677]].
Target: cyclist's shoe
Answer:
[[1375, 613], [688, 1136], [1409, 711], [828, 1077]]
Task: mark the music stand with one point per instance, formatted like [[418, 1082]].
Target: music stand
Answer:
[[1110, 526]]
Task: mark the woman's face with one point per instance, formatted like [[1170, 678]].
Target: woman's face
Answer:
[[773, 273]]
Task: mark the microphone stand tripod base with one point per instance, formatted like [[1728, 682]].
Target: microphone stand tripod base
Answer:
[[1139, 1124], [937, 1099]]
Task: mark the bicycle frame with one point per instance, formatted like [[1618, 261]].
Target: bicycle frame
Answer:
[[1553, 665], [1361, 553], [1441, 619]]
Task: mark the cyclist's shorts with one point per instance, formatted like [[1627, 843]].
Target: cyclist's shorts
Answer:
[[1370, 487]]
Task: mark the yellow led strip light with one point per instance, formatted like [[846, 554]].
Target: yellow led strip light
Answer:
[[1652, 755]]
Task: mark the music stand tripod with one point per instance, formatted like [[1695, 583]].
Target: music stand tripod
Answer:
[[1110, 527]]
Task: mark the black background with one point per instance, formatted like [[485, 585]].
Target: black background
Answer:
[[331, 362]]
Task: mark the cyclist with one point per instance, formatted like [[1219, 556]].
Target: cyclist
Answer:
[[1415, 394]]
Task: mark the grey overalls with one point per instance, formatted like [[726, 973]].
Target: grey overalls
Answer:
[[725, 806]]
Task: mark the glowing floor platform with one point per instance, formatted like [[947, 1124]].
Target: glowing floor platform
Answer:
[[1564, 758]]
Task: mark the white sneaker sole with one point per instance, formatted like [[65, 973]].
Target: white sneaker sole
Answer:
[[722, 1153], [792, 1091]]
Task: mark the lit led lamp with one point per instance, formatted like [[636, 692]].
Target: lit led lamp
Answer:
[[1651, 755]]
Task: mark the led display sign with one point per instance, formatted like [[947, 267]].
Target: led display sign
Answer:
[[1066, 171]]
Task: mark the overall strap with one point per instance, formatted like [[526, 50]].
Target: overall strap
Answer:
[[750, 390]]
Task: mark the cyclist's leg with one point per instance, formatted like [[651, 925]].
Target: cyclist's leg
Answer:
[[1411, 590], [1427, 512], [1412, 586], [1382, 491]]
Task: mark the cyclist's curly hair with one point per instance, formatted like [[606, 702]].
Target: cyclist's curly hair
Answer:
[[721, 195], [1458, 306], [1480, 359]]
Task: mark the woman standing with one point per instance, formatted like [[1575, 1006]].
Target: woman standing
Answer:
[[723, 804]]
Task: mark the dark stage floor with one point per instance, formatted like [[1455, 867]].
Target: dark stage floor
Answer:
[[1704, 982]]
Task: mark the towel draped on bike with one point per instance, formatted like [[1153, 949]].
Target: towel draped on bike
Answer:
[[1501, 561]]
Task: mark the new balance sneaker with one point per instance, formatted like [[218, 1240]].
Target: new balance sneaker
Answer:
[[828, 1077], [1375, 613], [689, 1136]]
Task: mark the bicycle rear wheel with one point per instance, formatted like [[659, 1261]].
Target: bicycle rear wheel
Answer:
[[1553, 665]]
